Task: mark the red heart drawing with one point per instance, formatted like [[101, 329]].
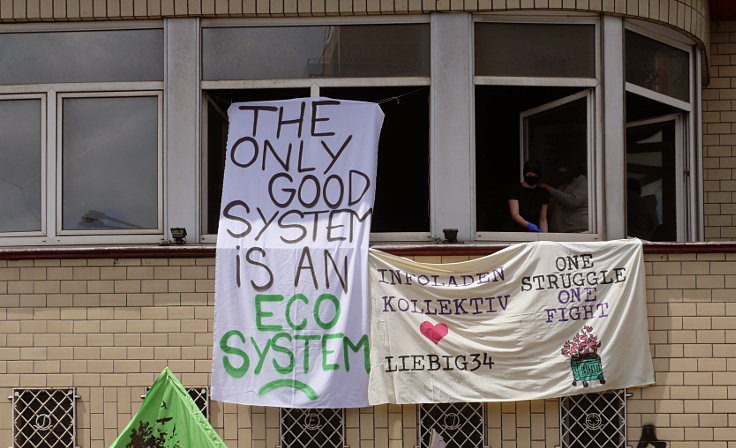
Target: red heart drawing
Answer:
[[433, 332]]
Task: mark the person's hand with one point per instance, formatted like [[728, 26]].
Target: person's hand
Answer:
[[545, 186], [532, 227]]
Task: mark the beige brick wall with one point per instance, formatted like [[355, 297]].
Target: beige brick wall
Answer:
[[109, 326], [719, 135], [688, 15], [692, 321]]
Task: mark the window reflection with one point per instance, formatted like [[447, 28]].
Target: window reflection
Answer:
[[110, 163], [518, 49], [657, 66], [315, 52], [82, 56], [20, 165]]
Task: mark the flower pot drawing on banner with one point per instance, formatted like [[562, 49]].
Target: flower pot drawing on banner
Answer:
[[587, 368], [584, 359]]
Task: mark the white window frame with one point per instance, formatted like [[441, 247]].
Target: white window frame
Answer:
[[591, 234], [314, 84], [595, 128], [51, 95], [114, 234]]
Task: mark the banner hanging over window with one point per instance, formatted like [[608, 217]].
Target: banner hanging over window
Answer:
[[533, 321], [291, 315]]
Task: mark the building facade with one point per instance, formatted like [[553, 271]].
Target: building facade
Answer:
[[112, 132]]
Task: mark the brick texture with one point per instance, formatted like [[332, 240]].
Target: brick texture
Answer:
[[719, 138], [111, 345]]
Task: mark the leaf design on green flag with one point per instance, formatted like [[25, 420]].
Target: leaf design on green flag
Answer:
[[144, 437]]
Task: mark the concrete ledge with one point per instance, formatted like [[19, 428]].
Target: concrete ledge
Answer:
[[407, 249]]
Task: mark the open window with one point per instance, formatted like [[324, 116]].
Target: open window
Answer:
[[558, 135], [551, 124], [535, 85]]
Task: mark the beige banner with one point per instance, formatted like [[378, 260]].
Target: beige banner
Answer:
[[533, 321]]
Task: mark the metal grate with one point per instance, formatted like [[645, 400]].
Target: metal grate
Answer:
[[312, 428], [461, 425], [593, 420], [200, 395], [44, 417]]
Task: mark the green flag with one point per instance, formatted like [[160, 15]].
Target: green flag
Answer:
[[168, 418]]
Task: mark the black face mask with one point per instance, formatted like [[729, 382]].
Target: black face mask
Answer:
[[531, 180]]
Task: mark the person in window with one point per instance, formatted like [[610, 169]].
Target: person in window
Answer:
[[527, 202], [569, 201]]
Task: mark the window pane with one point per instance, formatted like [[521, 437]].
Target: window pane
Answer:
[[651, 188], [402, 181], [110, 163], [218, 102], [315, 51], [20, 165], [515, 49], [81, 56], [656, 66], [558, 138]]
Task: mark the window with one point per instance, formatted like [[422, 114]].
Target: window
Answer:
[[402, 181], [106, 142], [81, 57], [81, 125], [44, 417], [384, 63], [312, 428], [654, 184], [459, 424], [537, 104], [535, 50], [215, 117], [338, 51], [596, 420], [657, 66], [97, 144], [660, 180]]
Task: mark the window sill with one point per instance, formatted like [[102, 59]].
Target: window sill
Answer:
[[402, 249]]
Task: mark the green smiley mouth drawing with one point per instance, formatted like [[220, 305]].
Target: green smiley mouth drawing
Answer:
[[294, 384]]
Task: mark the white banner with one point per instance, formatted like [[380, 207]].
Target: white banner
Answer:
[[291, 315], [533, 321]]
